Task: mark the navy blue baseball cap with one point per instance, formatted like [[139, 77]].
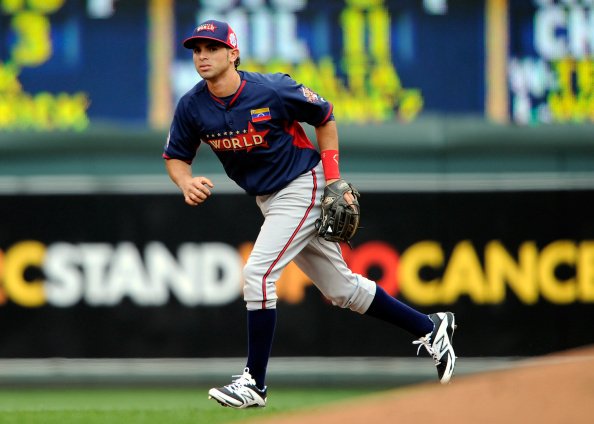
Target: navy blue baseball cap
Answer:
[[213, 30]]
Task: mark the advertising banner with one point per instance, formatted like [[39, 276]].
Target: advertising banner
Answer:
[[148, 276]]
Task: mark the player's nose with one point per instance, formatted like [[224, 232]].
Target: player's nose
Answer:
[[201, 54]]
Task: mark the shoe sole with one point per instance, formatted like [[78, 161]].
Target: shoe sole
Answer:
[[220, 402], [225, 401]]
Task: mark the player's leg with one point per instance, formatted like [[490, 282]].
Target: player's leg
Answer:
[[322, 261], [288, 227]]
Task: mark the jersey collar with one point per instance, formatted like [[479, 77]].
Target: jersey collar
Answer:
[[237, 93]]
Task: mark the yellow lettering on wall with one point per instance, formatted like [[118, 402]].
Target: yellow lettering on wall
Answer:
[[585, 271], [45, 6], [562, 252], [573, 99], [44, 111], [464, 275], [384, 79], [585, 76], [410, 105], [307, 71], [9, 82], [364, 3], [371, 90], [564, 70], [355, 57], [2, 292], [70, 111], [34, 45], [17, 259], [416, 257], [561, 106], [7, 112], [501, 268], [379, 34], [353, 22], [327, 77], [11, 6]]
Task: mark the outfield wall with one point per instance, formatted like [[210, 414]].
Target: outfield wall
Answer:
[[436, 146]]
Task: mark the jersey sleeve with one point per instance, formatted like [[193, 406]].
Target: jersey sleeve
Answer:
[[303, 104], [183, 139]]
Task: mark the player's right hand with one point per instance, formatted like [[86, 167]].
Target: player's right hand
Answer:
[[197, 190]]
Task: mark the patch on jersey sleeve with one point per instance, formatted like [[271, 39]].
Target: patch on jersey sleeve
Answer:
[[311, 95], [259, 115]]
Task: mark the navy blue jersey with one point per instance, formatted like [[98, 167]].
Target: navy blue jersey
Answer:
[[256, 134]]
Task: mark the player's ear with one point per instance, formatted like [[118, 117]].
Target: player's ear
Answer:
[[233, 54]]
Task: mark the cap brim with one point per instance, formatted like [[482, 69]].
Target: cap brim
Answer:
[[190, 42]]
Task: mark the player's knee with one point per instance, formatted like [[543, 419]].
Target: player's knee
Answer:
[[357, 300], [250, 272], [251, 285], [338, 298]]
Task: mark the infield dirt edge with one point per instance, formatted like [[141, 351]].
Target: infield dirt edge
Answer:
[[557, 388]]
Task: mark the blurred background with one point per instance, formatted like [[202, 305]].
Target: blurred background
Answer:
[[467, 125]]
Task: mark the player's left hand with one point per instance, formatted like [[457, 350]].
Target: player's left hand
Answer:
[[339, 217], [348, 195]]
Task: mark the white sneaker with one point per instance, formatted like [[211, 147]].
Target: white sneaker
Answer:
[[439, 344], [241, 393]]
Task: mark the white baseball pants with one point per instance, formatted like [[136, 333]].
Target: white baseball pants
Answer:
[[288, 234]]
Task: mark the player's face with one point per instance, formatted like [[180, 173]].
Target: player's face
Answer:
[[212, 59]]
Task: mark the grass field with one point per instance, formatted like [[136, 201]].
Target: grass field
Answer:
[[148, 405]]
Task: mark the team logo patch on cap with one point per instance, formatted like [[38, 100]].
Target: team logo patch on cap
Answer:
[[262, 114], [233, 39], [207, 27]]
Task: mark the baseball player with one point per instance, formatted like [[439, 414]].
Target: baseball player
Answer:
[[252, 123]]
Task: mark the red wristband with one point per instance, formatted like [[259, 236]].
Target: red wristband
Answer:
[[330, 164]]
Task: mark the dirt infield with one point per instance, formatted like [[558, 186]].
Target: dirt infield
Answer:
[[549, 389]]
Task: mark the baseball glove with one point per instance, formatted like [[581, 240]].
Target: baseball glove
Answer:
[[339, 220]]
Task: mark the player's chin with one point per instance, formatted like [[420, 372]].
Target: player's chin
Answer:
[[206, 73]]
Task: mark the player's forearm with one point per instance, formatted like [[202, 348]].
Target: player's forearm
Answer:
[[178, 170], [327, 136]]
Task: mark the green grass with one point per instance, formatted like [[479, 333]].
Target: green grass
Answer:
[[148, 405]]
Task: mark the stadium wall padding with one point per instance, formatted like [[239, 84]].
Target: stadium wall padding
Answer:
[[147, 276]]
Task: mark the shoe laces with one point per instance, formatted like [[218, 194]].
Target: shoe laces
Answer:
[[241, 381], [426, 343]]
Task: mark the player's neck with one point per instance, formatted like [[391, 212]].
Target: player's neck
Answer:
[[226, 85]]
